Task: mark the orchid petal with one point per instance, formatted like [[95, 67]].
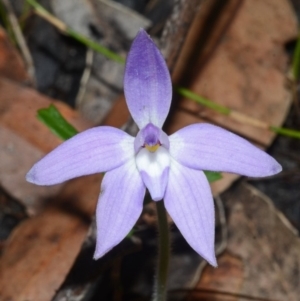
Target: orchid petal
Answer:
[[120, 205], [189, 202], [93, 151], [154, 169], [147, 83], [208, 147]]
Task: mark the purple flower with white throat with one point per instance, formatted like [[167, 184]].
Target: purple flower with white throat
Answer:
[[171, 168]]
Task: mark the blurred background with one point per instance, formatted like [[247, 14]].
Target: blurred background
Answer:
[[234, 63]]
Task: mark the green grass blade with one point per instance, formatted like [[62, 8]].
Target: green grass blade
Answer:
[[52, 118], [212, 176]]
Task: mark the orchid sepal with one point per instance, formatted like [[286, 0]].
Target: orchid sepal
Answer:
[[147, 82]]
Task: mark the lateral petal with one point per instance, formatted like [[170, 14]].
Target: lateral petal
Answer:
[[120, 205], [147, 83], [93, 151], [189, 202], [208, 147]]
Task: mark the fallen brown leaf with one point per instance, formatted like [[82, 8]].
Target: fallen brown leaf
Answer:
[[11, 64], [263, 251], [246, 69], [241, 64], [42, 249], [22, 133], [18, 110], [39, 254]]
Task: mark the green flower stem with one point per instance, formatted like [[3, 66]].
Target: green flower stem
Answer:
[[160, 285]]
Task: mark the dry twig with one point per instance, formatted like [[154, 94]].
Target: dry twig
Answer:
[[20, 40]]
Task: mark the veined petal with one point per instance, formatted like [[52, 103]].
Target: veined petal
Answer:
[[208, 147], [93, 151], [154, 169], [120, 205], [147, 83], [189, 202]]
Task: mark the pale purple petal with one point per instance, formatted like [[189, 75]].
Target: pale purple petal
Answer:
[[208, 147], [154, 169], [151, 135], [147, 83], [189, 202], [120, 205], [93, 151]]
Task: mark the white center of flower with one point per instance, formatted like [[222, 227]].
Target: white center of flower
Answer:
[[154, 169]]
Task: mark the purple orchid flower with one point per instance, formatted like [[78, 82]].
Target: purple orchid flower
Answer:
[[171, 168]]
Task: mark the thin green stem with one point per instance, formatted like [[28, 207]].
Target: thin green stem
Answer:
[[4, 16], [203, 101], [285, 132], [226, 111], [160, 285], [95, 46], [41, 11]]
